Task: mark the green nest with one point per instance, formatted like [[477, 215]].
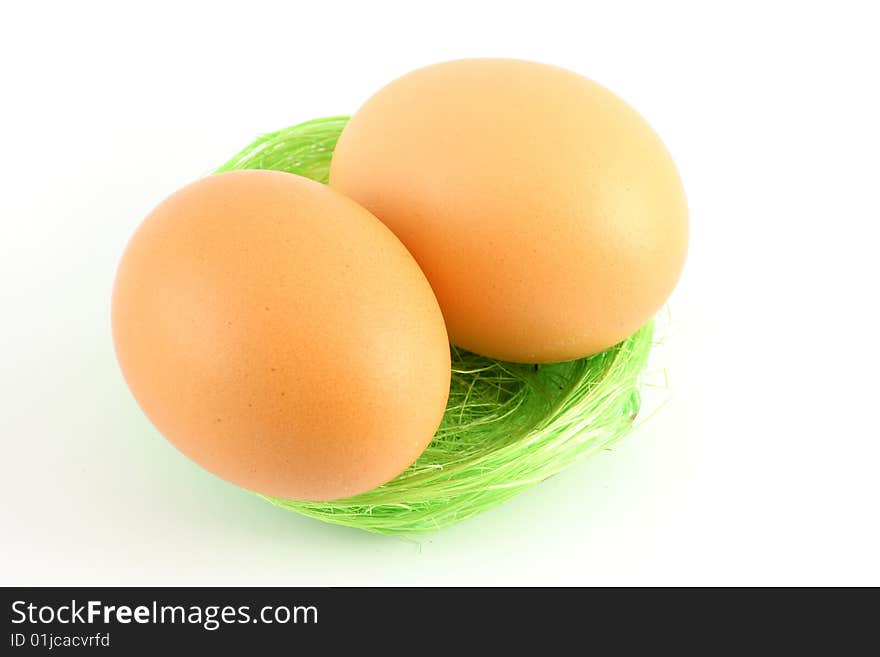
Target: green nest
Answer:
[[507, 426]]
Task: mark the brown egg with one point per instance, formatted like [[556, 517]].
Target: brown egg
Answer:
[[281, 336], [548, 217]]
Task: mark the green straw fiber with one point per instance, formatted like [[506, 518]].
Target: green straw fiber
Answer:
[[507, 426]]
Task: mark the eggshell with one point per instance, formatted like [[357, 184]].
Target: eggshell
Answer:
[[547, 215], [281, 336]]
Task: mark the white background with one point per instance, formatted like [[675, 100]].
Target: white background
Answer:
[[760, 468]]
